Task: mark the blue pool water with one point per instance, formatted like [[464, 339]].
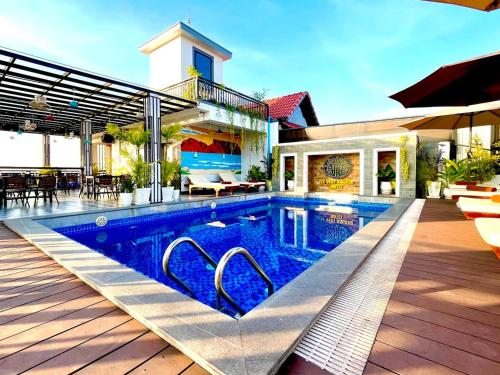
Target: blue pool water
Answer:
[[285, 236]]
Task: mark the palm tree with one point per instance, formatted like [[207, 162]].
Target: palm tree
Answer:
[[171, 134]]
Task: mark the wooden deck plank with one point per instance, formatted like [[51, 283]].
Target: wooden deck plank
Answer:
[[446, 320], [48, 327], [34, 285], [16, 337], [127, 357], [93, 349], [373, 369], [57, 286], [458, 340], [42, 304], [402, 362], [52, 347], [177, 363]]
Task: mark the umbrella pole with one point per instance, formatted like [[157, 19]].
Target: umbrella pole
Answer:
[[469, 154]]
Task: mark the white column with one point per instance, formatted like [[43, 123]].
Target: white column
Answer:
[[152, 150], [46, 150], [86, 146]]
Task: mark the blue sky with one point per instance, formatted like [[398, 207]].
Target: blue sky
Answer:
[[349, 54]]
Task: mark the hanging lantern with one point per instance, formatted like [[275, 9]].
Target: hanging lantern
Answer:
[[50, 117], [73, 104]]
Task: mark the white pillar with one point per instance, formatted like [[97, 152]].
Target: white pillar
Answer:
[[86, 146], [152, 150], [46, 150]]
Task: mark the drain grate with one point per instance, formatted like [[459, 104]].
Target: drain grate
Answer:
[[341, 339]]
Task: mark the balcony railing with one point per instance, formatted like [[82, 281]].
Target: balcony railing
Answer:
[[200, 89]]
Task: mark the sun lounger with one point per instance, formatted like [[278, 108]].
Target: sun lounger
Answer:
[[201, 182], [473, 191], [489, 229], [236, 179], [474, 208]]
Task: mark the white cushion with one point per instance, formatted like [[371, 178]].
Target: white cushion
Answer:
[[489, 229], [478, 205]]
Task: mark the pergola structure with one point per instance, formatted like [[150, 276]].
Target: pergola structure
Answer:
[[59, 99]]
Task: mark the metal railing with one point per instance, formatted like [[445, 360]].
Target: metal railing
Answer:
[[219, 273], [168, 253], [200, 89]]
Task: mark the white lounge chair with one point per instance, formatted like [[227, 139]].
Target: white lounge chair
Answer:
[[462, 191], [199, 181], [236, 179], [489, 229], [474, 207]]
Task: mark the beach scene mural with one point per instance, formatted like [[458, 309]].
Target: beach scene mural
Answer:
[[208, 151]]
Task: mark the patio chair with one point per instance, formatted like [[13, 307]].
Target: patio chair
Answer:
[[104, 185], [473, 208], [14, 188], [489, 229], [200, 181], [228, 177], [47, 188]]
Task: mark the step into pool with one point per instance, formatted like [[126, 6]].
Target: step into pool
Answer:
[[284, 235]]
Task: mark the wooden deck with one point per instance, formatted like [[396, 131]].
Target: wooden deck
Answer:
[[53, 323], [444, 313]]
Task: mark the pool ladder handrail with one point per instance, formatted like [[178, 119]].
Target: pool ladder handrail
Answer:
[[219, 273], [168, 253]]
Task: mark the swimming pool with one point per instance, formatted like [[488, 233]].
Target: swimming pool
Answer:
[[284, 235]]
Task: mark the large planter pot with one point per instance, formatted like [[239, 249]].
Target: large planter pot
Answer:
[[447, 193], [125, 199], [167, 194], [291, 185], [385, 187], [176, 194], [433, 189], [141, 196]]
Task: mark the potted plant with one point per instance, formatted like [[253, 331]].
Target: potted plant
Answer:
[[126, 192], [386, 176], [453, 171], [168, 170], [176, 179], [289, 176], [140, 169], [255, 174]]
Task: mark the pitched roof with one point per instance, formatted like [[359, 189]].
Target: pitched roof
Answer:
[[283, 106]]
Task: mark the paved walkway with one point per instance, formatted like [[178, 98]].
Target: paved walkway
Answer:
[[52, 323], [444, 313]]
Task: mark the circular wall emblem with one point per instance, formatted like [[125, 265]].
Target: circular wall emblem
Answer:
[[337, 166], [101, 221]]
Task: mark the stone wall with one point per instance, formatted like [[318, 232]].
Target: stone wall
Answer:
[[367, 144]]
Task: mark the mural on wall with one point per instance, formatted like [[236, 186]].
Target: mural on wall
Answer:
[[337, 173], [208, 151]]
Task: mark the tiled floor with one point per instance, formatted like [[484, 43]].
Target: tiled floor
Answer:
[[52, 323], [444, 313]]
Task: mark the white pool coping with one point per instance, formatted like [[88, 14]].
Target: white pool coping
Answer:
[[257, 343]]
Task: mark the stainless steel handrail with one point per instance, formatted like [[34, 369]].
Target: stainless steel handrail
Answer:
[[168, 253], [219, 273]]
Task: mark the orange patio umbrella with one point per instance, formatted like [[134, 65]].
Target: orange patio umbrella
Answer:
[[487, 5]]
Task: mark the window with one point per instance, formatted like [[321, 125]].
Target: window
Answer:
[[204, 64]]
